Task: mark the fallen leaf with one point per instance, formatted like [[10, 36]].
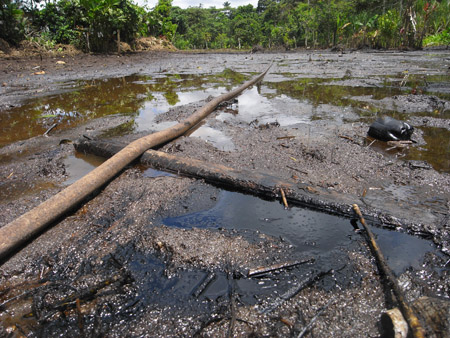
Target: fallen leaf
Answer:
[[60, 62], [39, 73]]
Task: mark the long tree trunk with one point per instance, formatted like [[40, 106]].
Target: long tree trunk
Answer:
[[27, 226]]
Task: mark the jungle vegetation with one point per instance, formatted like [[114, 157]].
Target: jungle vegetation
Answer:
[[94, 25]]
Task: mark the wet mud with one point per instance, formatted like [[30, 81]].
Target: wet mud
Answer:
[[158, 254]]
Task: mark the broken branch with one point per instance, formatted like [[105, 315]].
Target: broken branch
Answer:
[[309, 280], [285, 137], [411, 318], [265, 269], [283, 197], [50, 129]]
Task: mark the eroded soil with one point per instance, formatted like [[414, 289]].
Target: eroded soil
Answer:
[[114, 268]]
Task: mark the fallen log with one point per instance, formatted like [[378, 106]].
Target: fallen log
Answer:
[[247, 181], [27, 226], [261, 184]]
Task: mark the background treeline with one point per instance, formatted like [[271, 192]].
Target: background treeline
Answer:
[[95, 25]]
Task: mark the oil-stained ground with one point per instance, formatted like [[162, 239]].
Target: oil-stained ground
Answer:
[[129, 262]]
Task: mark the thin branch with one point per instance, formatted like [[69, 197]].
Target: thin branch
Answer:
[[265, 269], [50, 129], [410, 316], [283, 197]]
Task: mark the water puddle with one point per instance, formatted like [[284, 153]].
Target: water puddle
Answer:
[[288, 100], [436, 151], [313, 234], [80, 164], [140, 97], [216, 137], [436, 84], [18, 189], [330, 91], [323, 237], [149, 172]]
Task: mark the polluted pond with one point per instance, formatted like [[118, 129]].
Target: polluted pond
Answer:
[[248, 252], [245, 225], [140, 97]]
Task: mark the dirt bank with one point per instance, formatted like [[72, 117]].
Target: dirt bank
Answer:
[[114, 267]]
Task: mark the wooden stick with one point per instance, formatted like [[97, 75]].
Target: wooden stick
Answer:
[[411, 318], [27, 226], [346, 137], [232, 322], [309, 280], [279, 266], [50, 129], [283, 197], [118, 41], [300, 171], [204, 284], [285, 137]]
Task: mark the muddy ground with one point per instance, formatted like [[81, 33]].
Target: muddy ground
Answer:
[[112, 268]]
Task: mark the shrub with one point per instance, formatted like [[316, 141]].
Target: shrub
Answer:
[[12, 22]]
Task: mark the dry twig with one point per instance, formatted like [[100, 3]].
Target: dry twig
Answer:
[[310, 279], [411, 318], [283, 197], [265, 269], [50, 129]]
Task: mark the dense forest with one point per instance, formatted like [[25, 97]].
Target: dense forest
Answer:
[[95, 25]]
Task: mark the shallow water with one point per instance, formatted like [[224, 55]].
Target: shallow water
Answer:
[[313, 234], [285, 98], [79, 164]]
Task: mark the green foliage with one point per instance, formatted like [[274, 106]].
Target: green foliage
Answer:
[[94, 24], [57, 23], [439, 39], [12, 22], [245, 27], [159, 20], [102, 19], [389, 25]]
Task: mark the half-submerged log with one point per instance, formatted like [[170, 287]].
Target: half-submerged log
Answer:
[[249, 181], [27, 226]]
